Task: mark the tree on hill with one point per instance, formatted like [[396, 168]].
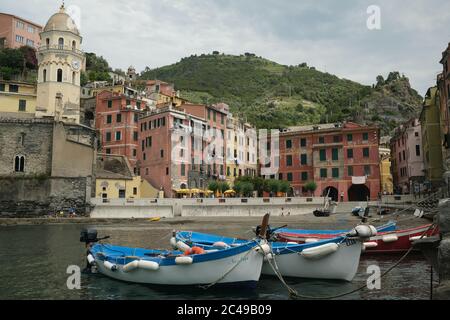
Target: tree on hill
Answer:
[[271, 95], [19, 61], [97, 68]]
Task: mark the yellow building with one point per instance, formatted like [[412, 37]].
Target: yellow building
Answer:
[[386, 181], [242, 149], [163, 93], [431, 137], [115, 179], [17, 97]]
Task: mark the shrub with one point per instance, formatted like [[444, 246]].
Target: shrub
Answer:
[[311, 186]]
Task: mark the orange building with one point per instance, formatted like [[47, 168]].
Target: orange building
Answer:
[[16, 32], [342, 159]]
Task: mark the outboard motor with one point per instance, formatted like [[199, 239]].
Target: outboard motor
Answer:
[[89, 237], [270, 233]]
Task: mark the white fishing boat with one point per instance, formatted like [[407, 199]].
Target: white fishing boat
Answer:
[[240, 265], [336, 258]]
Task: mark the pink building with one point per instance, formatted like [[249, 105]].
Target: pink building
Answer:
[[16, 32], [117, 117], [407, 156], [171, 154]]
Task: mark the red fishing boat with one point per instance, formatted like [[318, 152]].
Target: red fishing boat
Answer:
[[384, 242]]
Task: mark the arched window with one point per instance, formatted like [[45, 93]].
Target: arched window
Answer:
[[44, 76], [61, 43], [19, 164], [59, 75], [74, 45], [47, 42], [73, 77]]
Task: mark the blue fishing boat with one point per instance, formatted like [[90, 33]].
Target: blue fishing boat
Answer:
[[238, 265]]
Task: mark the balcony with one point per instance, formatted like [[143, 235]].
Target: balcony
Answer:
[[327, 145], [58, 48]]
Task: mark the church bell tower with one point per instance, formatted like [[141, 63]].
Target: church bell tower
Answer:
[[60, 62]]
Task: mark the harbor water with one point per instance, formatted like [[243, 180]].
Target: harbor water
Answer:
[[34, 261]]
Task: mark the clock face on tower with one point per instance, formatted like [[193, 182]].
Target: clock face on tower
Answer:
[[76, 64]]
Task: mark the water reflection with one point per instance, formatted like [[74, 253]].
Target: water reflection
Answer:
[[34, 260]]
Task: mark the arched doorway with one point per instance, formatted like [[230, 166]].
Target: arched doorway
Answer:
[[183, 186], [333, 193], [358, 192]]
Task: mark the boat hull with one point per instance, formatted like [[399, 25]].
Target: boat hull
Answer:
[[402, 244], [247, 272], [404, 241], [340, 265]]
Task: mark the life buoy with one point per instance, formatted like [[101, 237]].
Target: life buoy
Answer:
[[194, 250]]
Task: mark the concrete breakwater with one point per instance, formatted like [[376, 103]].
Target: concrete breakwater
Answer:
[[168, 208], [224, 207]]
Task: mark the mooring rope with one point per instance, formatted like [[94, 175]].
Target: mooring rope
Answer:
[[206, 287], [295, 295], [412, 206]]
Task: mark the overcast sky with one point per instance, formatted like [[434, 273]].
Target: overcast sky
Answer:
[[330, 35]]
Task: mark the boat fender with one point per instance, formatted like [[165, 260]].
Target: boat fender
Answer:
[[268, 256], [390, 238], [374, 230], [184, 260], [320, 251], [365, 231], [370, 244], [173, 243], [90, 259], [264, 247], [182, 246], [417, 238], [220, 244], [290, 242], [130, 266], [148, 265], [311, 240], [110, 266]]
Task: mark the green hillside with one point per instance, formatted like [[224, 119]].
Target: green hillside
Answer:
[[272, 95]]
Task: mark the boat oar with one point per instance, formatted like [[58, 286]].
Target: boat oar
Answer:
[[264, 224]]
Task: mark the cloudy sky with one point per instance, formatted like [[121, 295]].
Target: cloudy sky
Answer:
[[330, 35]]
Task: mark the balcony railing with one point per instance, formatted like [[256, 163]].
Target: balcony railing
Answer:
[[60, 48]]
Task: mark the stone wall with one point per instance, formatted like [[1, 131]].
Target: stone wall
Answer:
[[443, 291], [31, 197], [31, 139]]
